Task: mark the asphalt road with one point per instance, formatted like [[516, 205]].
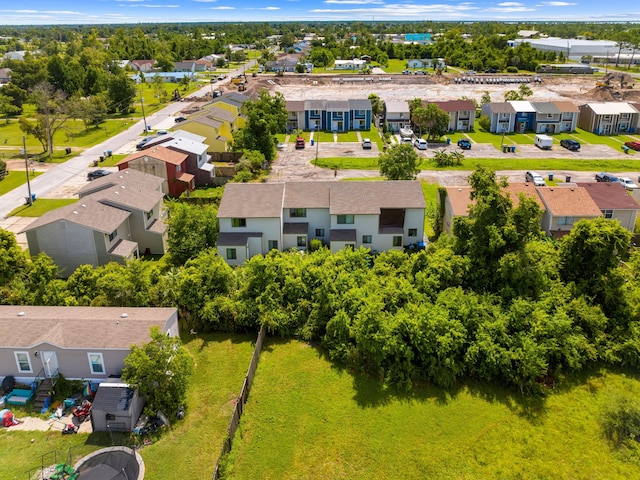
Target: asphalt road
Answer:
[[57, 175]]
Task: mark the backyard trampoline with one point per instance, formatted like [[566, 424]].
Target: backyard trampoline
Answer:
[[115, 463]]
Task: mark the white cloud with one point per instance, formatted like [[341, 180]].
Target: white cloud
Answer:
[[355, 2], [205, 1], [510, 9], [510, 4], [151, 6], [407, 10], [556, 4], [223, 7], [269, 8]]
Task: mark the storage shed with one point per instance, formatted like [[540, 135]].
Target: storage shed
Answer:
[[116, 408]]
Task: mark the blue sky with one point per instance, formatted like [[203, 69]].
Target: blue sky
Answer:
[[38, 12]]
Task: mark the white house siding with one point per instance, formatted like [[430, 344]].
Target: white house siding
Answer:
[[627, 218], [413, 218], [146, 239], [271, 228], [68, 244]]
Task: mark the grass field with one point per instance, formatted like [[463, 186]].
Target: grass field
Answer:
[[307, 418], [41, 206], [14, 179], [190, 449], [507, 163]]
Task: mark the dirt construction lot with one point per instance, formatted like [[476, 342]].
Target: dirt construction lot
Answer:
[[578, 89]]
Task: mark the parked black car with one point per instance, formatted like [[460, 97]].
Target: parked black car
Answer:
[[180, 119], [606, 177], [570, 144], [97, 174], [142, 143], [464, 144]]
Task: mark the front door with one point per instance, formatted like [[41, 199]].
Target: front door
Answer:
[[50, 364]]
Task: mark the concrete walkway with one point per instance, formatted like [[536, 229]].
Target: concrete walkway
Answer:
[[42, 425]]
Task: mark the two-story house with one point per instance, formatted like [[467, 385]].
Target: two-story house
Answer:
[[117, 217], [502, 116], [257, 218], [396, 115], [162, 162], [564, 207], [614, 202], [337, 115], [462, 114], [216, 125], [295, 115], [608, 117]]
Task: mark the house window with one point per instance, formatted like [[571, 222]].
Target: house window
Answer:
[[366, 238], [337, 114], [565, 220], [549, 115], [96, 362], [231, 254], [397, 241], [23, 362], [360, 113], [624, 115], [319, 232], [413, 232], [607, 213], [345, 219], [302, 241], [113, 235], [315, 113], [297, 212], [238, 222], [273, 244], [149, 214], [178, 168]]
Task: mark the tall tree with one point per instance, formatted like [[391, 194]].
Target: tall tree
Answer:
[[266, 117], [399, 162], [52, 115], [161, 370]]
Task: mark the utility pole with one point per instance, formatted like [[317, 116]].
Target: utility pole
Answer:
[[26, 167], [143, 115], [318, 138]]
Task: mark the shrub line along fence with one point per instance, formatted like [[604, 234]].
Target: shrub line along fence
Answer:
[[241, 401]]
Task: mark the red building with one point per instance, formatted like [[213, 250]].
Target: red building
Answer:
[[165, 163]]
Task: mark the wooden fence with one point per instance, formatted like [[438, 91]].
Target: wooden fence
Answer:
[[241, 401]]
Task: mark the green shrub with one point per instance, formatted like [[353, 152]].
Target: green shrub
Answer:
[[621, 420], [485, 122], [512, 69], [243, 177]]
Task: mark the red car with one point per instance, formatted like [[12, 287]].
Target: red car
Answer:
[[633, 145]]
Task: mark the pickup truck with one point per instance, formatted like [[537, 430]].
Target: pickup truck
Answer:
[[606, 177]]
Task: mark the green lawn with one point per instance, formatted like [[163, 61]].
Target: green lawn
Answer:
[[307, 418], [14, 179], [430, 192], [500, 163], [189, 449], [41, 206]]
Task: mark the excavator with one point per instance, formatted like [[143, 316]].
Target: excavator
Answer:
[[626, 80]]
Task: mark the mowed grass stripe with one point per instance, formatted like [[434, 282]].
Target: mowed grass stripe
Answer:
[[307, 418]]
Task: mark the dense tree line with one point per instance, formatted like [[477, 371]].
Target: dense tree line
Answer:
[[497, 301]]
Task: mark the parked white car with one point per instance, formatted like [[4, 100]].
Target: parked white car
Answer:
[[420, 144], [628, 183]]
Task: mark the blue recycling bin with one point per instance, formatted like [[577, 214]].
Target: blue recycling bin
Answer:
[[148, 128], [551, 176], [448, 141], [33, 197], [312, 142]]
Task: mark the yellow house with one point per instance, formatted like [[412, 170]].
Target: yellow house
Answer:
[[212, 129], [233, 102]]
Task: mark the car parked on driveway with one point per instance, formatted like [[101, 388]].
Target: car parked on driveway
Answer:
[[570, 144], [420, 144], [606, 177], [464, 144], [366, 144], [628, 183], [142, 143], [97, 174], [633, 146], [535, 178]]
